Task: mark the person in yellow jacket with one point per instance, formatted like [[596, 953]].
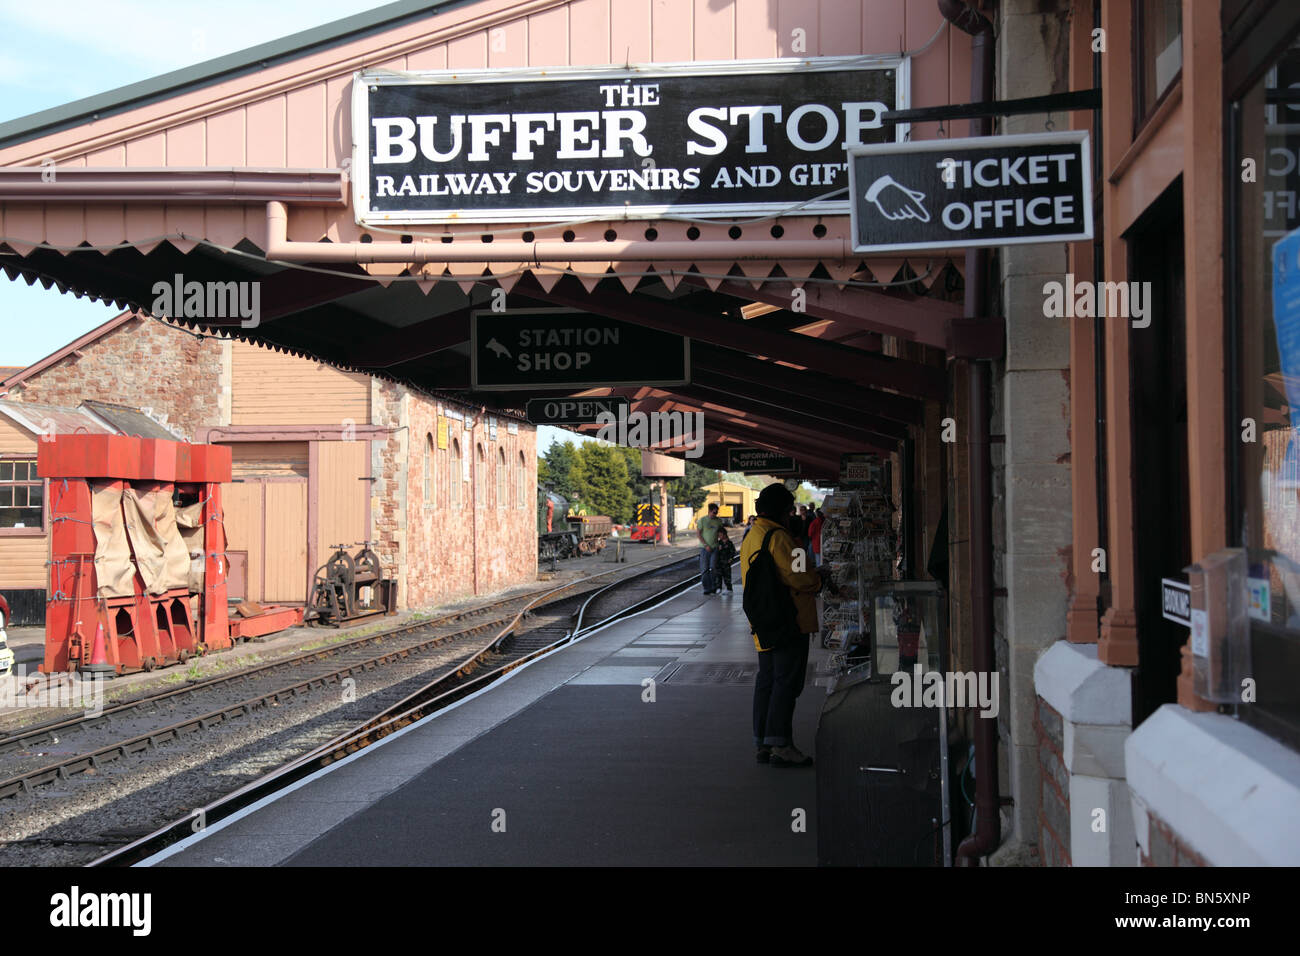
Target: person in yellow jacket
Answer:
[[782, 666]]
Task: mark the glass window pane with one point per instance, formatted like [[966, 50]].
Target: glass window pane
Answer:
[[20, 471], [27, 517], [6, 496], [35, 495], [1270, 340], [31, 470], [1161, 24], [20, 496], [6, 471]]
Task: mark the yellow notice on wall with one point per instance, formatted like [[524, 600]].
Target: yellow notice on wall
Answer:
[[442, 433]]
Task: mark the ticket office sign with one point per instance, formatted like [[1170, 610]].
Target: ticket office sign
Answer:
[[981, 191], [700, 139]]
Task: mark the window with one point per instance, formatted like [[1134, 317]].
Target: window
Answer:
[[1265, 437], [454, 476], [480, 468], [22, 495], [428, 471], [521, 475], [501, 478], [1157, 50]]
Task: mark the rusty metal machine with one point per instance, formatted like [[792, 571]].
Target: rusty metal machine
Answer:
[[350, 586]]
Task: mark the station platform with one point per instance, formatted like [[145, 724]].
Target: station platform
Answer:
[[564, 763]]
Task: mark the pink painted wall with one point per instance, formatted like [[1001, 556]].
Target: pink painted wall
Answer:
[[298, 114]]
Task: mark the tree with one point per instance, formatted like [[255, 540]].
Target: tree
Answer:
[[563, 469], [640, 485], [604, 483], [689, 489]]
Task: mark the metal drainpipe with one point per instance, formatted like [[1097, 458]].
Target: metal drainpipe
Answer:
[[473, 492], [987, 833]]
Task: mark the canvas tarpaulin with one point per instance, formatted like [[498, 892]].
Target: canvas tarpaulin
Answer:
[[190, 521], [113, 568], [160, 555]]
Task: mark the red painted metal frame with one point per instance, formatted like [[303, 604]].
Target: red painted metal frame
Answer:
[[140, 629]]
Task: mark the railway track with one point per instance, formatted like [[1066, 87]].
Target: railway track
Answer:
[[85, 742], [541, 628]]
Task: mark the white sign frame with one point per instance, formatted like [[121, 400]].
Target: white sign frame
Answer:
[[1073, 136], [360, 175]]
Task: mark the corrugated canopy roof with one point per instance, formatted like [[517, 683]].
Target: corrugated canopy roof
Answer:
[[129, 421]]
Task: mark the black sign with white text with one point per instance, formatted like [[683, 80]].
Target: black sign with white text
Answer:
[[759, 461], [545, 348], [700, 139], [574, 411], [1176, 601], [983, 191]]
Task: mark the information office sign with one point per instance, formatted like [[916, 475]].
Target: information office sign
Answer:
[[553, 348], [982, 191], [759, 461], [700, 139]]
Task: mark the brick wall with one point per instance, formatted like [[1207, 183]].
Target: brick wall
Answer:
[[444, 541], [144, 364], [1166, 848], [388, 493], [1054, 809]]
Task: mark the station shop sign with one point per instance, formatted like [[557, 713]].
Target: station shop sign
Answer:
[[743, 137], [518, 350], [574, 411], [759, 461], [980, 191]]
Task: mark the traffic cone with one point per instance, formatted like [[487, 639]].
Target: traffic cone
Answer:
[[98, 658]]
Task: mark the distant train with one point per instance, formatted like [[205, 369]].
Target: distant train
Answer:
[[645, 526], [562, 535]]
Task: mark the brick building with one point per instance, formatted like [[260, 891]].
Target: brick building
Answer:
[[321, 457]]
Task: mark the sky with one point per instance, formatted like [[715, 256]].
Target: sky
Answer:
[[51, 55]]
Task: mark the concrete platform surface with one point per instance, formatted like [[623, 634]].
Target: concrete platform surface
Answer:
[[571, 761]]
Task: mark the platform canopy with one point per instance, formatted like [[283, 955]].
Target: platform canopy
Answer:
[[245, 170]]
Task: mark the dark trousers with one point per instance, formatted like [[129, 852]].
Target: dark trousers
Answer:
[[709, 569], [780, 680]]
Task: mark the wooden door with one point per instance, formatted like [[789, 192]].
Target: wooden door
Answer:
[[267, 517], [342, 507]]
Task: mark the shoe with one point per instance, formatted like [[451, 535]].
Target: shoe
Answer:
[[763, 755], [789, 757]]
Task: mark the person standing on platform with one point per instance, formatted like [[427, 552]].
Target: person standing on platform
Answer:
[[726, 552], [707, 530], [782, 616], [815, 537]]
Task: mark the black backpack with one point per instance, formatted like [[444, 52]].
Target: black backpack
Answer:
[[767, 600]]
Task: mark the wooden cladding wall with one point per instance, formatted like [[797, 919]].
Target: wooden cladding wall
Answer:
[[22, 561], [272, 388], [281, 459], [15, 440]]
